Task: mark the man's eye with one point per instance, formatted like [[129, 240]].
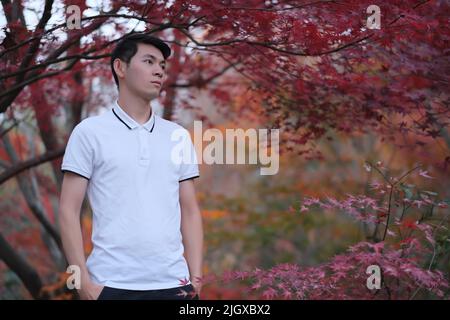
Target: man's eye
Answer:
[[150, 61]]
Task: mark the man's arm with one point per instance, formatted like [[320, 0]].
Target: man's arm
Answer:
[[192, 231], [72, 195]]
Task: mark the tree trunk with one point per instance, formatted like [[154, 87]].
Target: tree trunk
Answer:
[[20, 266]]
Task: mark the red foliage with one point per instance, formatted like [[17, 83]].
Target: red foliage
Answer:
[[403, 256]]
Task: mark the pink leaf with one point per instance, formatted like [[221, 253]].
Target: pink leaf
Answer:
[[424, 174]]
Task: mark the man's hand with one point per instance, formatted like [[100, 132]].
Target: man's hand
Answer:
[[196, 283], [90, 291]]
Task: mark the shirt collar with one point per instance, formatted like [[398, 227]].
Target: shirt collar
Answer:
[[130, 122]]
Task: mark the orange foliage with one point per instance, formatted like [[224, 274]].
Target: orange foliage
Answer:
[[58, 290], [213, 214], [20, 144], [86, 223]]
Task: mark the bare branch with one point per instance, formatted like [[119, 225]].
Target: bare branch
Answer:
[[203, 81], [27, 164]]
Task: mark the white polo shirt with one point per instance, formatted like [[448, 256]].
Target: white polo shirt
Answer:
[[134, 194]]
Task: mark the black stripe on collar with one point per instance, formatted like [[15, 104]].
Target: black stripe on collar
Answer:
[[121, 119], [154, 121]]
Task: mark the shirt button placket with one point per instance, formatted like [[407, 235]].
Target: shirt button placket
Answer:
[[144, 157]]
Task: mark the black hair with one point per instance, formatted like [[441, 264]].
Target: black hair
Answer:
[[127, 48]]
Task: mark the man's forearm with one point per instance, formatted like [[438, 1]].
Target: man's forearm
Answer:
[[192, 231], [73, 243]]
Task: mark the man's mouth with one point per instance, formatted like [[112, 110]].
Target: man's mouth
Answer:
[[157, 83]]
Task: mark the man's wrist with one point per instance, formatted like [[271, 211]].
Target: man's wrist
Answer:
[[196, 281], [86, 282], [196, 278]]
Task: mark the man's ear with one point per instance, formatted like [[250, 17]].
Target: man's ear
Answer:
[[119, 68]]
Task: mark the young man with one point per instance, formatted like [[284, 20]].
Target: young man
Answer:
[[147, 227]]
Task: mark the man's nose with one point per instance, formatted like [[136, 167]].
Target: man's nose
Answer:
[[158, 73]]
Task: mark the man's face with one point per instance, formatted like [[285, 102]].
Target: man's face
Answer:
[[145, 74]]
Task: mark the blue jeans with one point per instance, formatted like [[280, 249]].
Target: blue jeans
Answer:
[[186, 292]]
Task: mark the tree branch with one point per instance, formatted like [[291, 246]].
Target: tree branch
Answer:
[[22, 166]]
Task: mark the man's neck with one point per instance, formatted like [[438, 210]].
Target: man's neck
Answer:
[[137, 108]]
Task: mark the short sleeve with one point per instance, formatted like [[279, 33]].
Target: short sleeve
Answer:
[[189, 165], [78, 157]]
